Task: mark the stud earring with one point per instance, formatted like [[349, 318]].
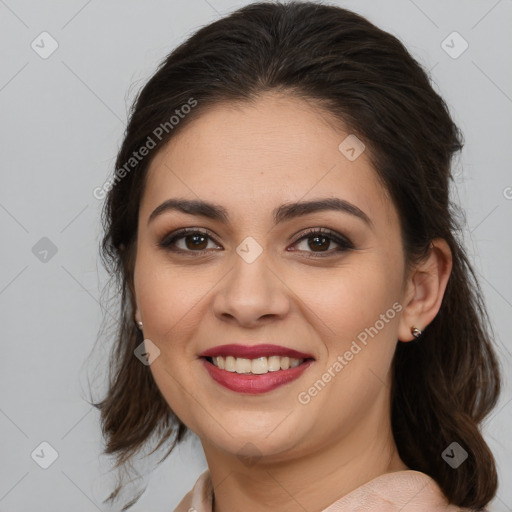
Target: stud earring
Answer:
[[416, 332], [139, 325]]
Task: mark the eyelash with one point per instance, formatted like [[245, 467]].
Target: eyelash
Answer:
[[344, 243]]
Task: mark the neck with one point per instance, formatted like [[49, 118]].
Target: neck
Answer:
[[312, 481]]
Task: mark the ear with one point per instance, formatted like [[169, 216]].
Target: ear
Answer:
[[424, 289], [133, 299], [128, 262]]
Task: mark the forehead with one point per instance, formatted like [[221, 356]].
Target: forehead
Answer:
[[262, 153]]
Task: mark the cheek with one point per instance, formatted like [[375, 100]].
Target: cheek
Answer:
[[356, 315], [337, 308], [168, 297], [169, 300], [347, 300]]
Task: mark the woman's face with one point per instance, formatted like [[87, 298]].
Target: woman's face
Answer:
[[260, 273]]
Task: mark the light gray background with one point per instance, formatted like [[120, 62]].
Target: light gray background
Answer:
[[62, 121]]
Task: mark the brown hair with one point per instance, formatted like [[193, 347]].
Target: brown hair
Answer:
[[444, 385]]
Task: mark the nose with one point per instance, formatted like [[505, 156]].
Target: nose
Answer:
[[251, 294]]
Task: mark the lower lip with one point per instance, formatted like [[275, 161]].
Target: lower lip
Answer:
[[254, 384]]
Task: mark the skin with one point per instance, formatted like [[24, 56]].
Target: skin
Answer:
[[250, 158]]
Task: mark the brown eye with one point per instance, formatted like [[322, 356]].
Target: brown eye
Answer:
[[188, 241], [319, 241], [196, 241], [316, 242]]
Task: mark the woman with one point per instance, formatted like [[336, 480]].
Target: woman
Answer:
[[293, 289]]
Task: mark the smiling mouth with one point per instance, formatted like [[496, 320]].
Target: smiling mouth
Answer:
[[257, 366]]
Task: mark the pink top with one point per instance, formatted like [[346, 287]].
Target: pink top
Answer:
[[404, 491]]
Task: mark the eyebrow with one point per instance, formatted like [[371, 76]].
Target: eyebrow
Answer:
[[281, 214]]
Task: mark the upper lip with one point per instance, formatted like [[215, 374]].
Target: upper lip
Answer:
[[254, 351]]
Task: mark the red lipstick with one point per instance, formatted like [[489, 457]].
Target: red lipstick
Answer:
[[254, 351], [254, 383]]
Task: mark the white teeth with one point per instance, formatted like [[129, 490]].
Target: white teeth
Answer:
[[229, 363], [274, 363], [257, 366], [294, 363], [242, 365]]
